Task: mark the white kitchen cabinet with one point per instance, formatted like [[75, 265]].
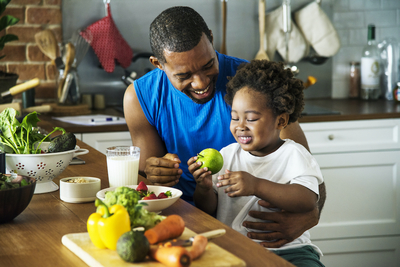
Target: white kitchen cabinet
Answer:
[[101, 141], [360, 161]]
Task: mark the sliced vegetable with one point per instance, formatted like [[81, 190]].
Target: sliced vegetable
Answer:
[[198, 246], [171, 256], [171, 227], [106, 225]]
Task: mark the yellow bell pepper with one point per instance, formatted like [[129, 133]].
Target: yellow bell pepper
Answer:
[[106, 225]]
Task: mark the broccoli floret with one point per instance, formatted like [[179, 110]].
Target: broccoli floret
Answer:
[[129, 198]]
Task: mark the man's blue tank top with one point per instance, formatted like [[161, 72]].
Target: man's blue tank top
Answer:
[[185, 126]]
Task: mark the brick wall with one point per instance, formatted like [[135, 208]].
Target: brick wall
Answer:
[[23, 57]]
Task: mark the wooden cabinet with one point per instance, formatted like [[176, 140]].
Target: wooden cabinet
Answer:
[[101, 141], [360, 161]]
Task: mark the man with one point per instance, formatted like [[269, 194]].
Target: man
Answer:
[[177, 110]]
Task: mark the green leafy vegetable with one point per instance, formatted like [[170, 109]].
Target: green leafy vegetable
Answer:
[[20, 138], [6, 182], [129, 198]]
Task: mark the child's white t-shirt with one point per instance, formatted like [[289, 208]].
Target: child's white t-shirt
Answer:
[[291, 163]]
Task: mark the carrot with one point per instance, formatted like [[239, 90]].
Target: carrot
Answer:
[[198, 247], [171, 227], [171, 256]]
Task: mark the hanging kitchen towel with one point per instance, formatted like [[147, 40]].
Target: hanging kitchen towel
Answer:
[[108, 43], [318, 29], [298, 47]]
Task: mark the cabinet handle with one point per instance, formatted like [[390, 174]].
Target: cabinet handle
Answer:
[[331, 137]]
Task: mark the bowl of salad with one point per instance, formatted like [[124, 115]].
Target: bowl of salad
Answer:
[[153, 197], [16, 192]]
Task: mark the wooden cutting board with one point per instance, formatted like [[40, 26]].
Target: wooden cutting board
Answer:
[[80, 244]]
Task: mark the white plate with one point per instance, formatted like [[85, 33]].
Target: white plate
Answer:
[[154, 205]]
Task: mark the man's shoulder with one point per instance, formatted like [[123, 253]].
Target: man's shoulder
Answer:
[[230, 61], [150, 82]]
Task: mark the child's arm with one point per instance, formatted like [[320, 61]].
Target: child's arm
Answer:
[[204, 196], [289, 197]]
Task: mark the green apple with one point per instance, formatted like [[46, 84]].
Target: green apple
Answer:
[[212, 159]]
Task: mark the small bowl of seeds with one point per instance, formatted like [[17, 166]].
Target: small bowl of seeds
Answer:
[[79, 189]]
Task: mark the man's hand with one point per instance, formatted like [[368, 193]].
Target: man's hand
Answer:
[[163, 171], [283, 228]]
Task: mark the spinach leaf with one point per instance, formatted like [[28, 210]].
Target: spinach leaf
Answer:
[[20, 137]]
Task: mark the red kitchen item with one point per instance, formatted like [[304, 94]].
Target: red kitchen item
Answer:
[[108, 43]]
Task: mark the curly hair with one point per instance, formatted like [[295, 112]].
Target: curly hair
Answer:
[[177, 29], [284, 93]]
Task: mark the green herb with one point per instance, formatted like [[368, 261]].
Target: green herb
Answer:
[[20, 138]]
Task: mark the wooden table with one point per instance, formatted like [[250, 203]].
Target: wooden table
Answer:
[[34, 237]]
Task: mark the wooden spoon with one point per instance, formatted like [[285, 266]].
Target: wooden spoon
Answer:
[[223, 45], [47, 43], [261, 54], [69, 59]]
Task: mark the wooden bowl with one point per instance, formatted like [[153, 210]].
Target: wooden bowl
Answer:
[[15, 200]]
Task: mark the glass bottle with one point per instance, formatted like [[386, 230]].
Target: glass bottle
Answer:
[[370, 67], [354, 86], [396, 93]]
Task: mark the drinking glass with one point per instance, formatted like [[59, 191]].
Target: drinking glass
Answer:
[[123, 165]]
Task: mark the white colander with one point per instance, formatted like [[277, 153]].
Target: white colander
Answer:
[[43, 167]]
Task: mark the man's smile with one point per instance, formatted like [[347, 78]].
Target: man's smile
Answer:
[[201, 92]]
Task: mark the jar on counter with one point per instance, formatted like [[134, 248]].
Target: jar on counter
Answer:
[[354, 85], [396, 93]]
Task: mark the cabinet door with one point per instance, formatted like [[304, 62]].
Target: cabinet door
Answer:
[[363, 193], [101, 141], [361, 252], [352, 136]]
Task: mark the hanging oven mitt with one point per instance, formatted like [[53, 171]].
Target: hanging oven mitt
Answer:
[[318, 29], [108, 43], [298, 47]]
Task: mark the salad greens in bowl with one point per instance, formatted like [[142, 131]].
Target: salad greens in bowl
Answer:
[[16, 192]]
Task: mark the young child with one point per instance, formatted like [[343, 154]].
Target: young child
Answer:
[[264, 98]]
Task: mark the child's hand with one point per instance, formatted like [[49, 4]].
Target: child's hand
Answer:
[[202, 176], [241, 183]]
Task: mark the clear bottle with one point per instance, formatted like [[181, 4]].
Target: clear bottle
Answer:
[[370, 67]]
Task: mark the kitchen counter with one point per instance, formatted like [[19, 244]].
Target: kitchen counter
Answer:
[[353, 109], [34, 237], [343, 110]]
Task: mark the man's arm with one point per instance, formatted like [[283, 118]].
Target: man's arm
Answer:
[[156, 165], [293, 131], [143, 135]]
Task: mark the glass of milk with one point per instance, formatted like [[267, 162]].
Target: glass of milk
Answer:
[[123, 165]]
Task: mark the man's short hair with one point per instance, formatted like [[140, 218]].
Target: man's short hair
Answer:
[[177, 29]]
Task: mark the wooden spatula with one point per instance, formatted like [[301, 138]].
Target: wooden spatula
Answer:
[[69, 59], [47, 43], [223, 45], [262, 54]]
